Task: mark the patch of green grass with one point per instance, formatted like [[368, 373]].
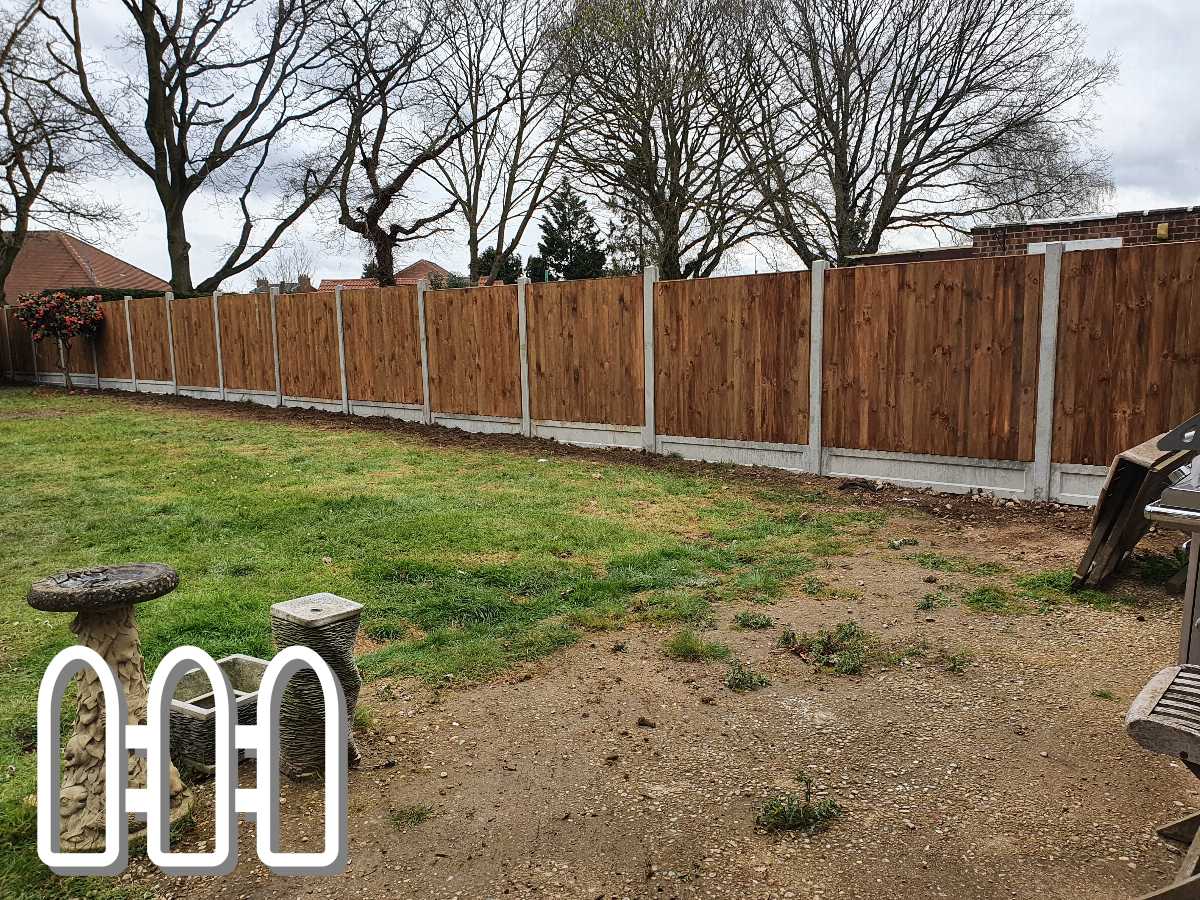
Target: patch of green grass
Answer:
[[957, 564], [742, 678], [1053, 587], [1104, 694], [1158, 568], [797, 811], [934, 601], [406, 817], [991, 599], [688, 646], [753, 621]]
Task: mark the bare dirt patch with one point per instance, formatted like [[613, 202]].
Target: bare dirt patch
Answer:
[[1011, 779]]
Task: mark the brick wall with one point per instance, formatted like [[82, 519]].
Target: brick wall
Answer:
[[1133, 228]]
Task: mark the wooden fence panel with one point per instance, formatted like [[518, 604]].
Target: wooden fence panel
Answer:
[[79, 357], [474, 351], [151, 348], [731, 357], [5, 341], [47, 357], [586, 350], [195, 343], [247, 351], [308, 346], [20, 345], [112, 343], [1128, 348], [383, 345], [937, 358]]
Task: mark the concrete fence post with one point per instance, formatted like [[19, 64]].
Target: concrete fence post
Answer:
[[168, 300], [423, 286], [216, 311], [649, 280], [275, 345], [816, 362], [1038, 487], [133, 379], [341, 329], [523, 331]]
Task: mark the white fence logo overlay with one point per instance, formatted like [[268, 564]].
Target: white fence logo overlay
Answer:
[[259, 804]]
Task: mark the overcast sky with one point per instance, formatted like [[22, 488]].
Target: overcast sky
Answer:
[[1149, 122]]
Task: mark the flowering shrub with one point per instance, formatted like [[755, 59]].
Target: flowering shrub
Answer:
[[61, 318]]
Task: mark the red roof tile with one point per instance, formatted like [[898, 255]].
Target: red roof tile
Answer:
[[328, 285], [51, 259]]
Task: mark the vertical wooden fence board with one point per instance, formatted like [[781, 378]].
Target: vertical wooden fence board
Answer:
[[383, 345], [47, 357], [112, 343], [151, 351], [474, 351], [195, 342], [1128, 362], [308, 346], [585, 351], [731, 357], [246, 349], [933, 358], [79, 357]]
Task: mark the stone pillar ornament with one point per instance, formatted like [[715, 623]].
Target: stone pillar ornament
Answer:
[[103, 599], [327, 624]]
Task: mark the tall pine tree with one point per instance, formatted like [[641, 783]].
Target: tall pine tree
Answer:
[[571, 246]]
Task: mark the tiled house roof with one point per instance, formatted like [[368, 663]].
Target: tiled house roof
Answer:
[[51, 259]]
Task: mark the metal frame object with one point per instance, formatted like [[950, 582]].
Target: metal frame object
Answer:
[[1165, 718]]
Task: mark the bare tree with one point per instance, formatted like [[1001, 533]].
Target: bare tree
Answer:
[[285, 264], [46, 151], [499, 171], [650, 132], [400, 108], [211, 101], [887, 114]]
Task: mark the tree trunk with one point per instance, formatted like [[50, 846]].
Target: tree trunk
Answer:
[[385, 260], [64, 356], [179, 250]]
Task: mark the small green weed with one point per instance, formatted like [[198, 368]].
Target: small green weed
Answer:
[[933, 601], [742, 678], [688, 646], [958, 661], [797, 812], [364, 718], [958, 564], [409, 816], [843, 649], [753, 621], [1104, 694]]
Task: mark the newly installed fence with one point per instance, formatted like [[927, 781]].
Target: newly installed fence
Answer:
[[1021, 374]]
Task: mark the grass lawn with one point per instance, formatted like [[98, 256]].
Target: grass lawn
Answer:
[[467, 559]]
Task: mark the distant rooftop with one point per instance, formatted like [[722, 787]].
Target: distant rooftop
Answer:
[[49, 260], [411, 274]]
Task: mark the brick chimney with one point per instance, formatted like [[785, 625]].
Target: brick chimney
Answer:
[[304, 285], [261, 286]]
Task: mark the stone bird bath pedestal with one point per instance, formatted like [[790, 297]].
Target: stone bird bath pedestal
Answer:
[[102, 600]]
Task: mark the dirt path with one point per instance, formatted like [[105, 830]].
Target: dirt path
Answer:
[[1010, 780]]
